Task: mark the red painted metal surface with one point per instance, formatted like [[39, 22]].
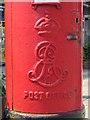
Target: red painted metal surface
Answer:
[[43, 57]]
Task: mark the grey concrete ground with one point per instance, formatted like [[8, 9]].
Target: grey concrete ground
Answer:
[[85, 91]]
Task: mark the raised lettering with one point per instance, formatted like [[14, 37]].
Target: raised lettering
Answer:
[[41, 95], [26, 94], [31, 95], [47, 95], [36, 95]]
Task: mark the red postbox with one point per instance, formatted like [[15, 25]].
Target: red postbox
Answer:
[[44, 59]]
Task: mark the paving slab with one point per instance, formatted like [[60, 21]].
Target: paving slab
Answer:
[[85, 91]]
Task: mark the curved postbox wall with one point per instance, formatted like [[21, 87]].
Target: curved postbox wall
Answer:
[[43, 57]]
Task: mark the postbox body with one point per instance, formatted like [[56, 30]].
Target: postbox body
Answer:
[[43, 56]]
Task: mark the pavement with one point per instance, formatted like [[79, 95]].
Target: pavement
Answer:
[[85, 91]]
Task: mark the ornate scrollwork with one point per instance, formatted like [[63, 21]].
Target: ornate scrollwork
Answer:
[[46, 73]]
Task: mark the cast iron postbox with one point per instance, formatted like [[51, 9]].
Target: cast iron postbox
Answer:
[[44, 59]]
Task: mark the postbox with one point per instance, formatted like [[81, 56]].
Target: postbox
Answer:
[[43, 48]]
